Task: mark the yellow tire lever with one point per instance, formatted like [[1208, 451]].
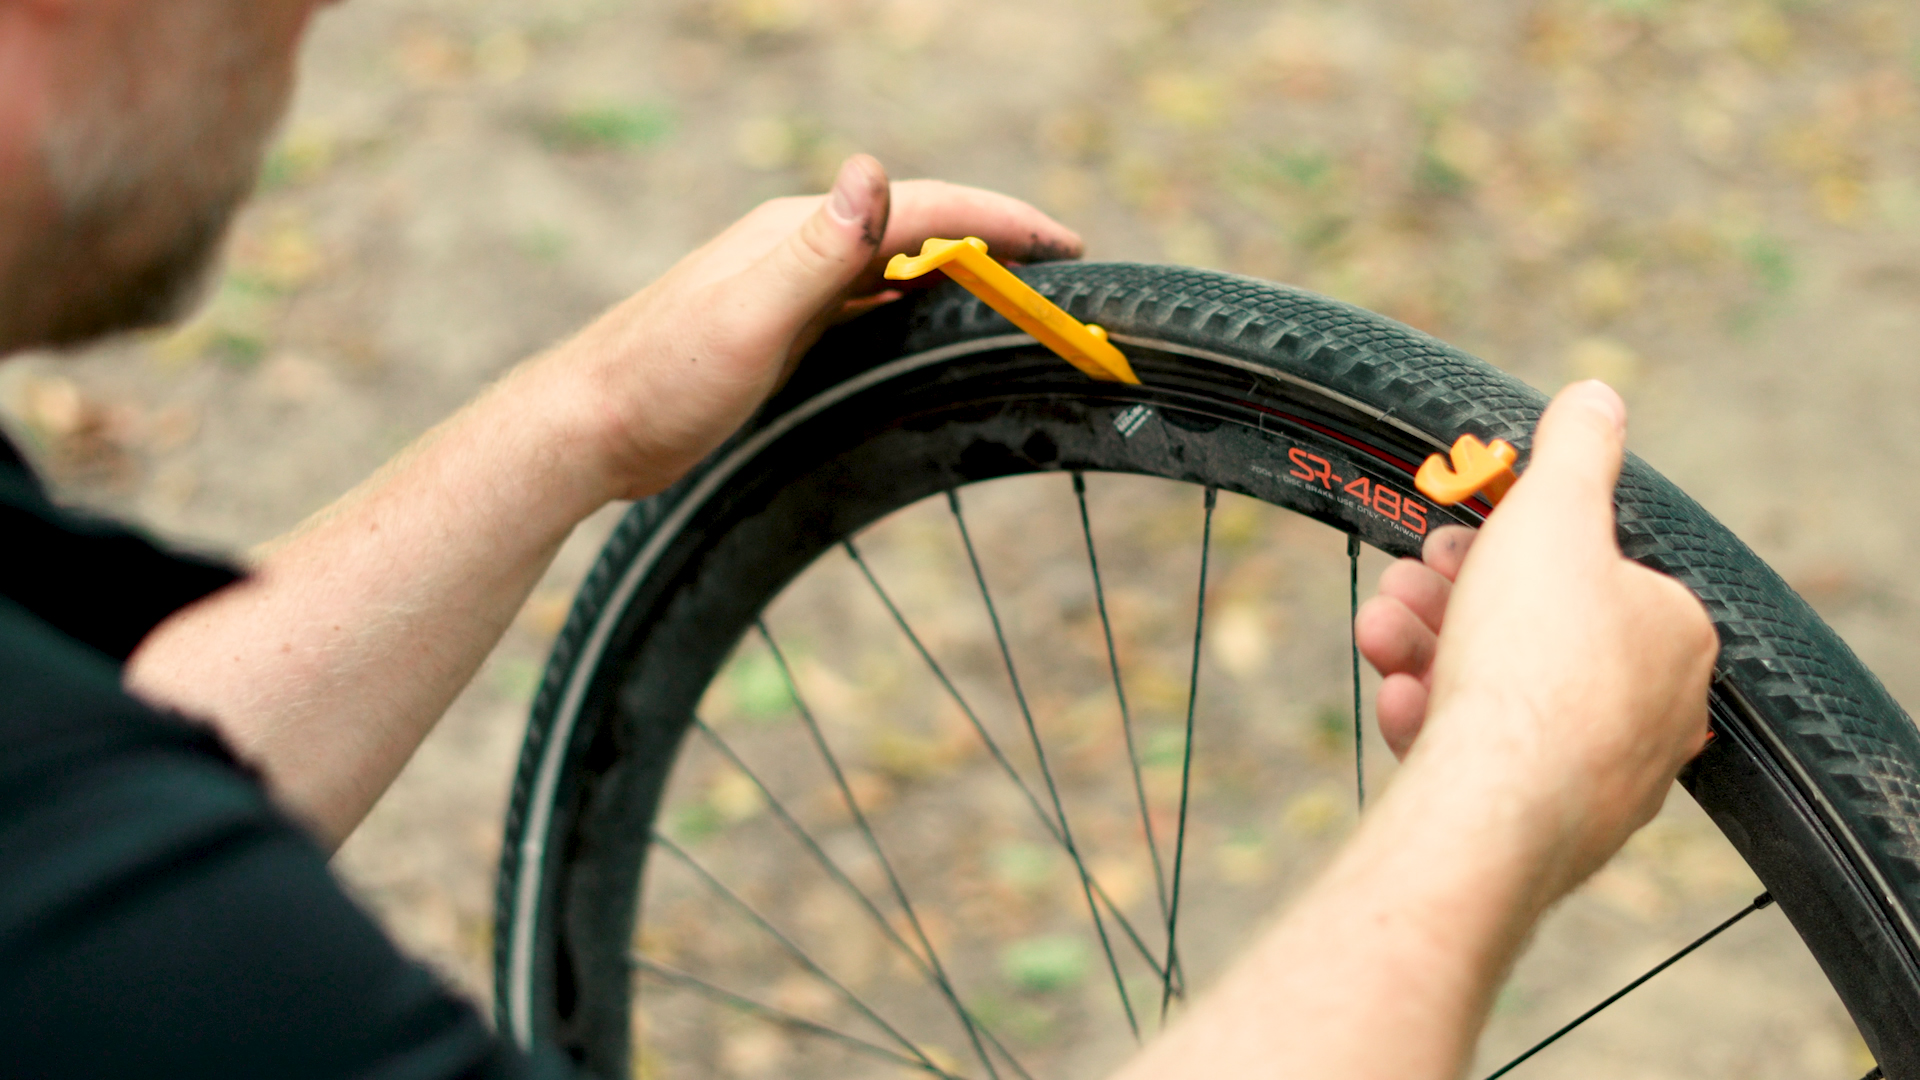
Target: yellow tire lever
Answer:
[[966, 261]]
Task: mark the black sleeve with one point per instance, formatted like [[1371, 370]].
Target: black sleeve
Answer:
[[159, 917]]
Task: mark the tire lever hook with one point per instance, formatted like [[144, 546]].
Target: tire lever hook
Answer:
[[1485, 468], [966, 261]]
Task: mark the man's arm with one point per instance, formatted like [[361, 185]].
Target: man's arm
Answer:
[[356, 631], [1547, 718]]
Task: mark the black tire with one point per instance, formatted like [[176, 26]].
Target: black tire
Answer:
[[1813, 777]]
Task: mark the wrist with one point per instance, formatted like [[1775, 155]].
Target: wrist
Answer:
[[1481, 786], [630, 422], [1581, 780], [537, 441]]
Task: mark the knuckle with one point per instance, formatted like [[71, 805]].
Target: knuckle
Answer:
[[816, 251]]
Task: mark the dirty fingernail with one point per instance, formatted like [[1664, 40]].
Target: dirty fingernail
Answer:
[[852, 199]]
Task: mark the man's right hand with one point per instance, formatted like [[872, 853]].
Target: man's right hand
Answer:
[[1567, 676]]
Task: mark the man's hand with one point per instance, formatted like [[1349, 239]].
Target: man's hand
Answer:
[[1538, 650], [1544, 691], [674, 370], [333, 660]]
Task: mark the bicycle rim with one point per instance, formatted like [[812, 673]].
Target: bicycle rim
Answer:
[[1224, 422]]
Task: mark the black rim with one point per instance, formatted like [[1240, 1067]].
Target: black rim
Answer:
[[1036, 420]]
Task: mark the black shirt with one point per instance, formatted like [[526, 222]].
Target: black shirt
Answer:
[[159, 915]]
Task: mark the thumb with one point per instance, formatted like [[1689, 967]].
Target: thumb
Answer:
[[1577, 451], [815, 264]]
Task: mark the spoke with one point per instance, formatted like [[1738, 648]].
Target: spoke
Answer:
[[1760, 902], [1046, 771], [786, 943], [873, 844], [779, 1016], [999, 756], [1353, 627], [1120, 693], [833, 870], [1186, 757]]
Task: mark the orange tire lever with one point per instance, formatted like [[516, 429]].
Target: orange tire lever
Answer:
[[966, 261], [1477, 467]]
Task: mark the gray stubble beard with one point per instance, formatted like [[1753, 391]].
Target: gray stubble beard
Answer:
[[147, 174]]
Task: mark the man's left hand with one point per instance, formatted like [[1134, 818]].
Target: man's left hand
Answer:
[[667, 375]]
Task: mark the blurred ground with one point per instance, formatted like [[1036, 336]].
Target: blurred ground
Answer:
[[1713, 204]]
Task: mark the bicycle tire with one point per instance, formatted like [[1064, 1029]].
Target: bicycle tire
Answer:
[[1813, 777]]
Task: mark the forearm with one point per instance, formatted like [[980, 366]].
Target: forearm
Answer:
[[1387, 966], [329, 665]]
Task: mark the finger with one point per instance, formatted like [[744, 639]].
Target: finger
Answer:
[[810, 334], [1420, 587], [1446, 549], [1392, 637], [859, 306], [810, 270], [1014, 231], [1402, 707], [1577, 451], [1684, 625]]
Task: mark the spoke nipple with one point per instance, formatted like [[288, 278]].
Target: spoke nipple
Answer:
[[1213, 496], [1763, 901], [1079, 483]]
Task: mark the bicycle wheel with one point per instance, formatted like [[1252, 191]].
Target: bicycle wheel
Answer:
[[1248, 388]]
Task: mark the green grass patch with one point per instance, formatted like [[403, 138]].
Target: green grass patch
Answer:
[[1045, 964], [1770, 262], [608, 127], [758, 687]]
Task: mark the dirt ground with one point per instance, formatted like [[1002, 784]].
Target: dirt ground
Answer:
[[1712, 204]]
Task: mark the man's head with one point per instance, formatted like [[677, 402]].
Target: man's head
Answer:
[[130, 130]]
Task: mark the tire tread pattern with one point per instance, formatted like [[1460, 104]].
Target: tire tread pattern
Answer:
[[1823, 707]]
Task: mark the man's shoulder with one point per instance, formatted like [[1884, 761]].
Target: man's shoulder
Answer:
[[61, 699], [93, 579], [41, 666]]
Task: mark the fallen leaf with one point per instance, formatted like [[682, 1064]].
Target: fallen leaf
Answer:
[[1244, 858], [1239, 641], [502, 56], [735, 797], [1839, 197], [545, 612], [1604, 289], [766, 143], [1185, 99], [1316, 812], [759, 1050], [427, 57], [1611, 361]]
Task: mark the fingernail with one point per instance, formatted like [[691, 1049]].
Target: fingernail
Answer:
[[1608, 399], [852, 199]]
